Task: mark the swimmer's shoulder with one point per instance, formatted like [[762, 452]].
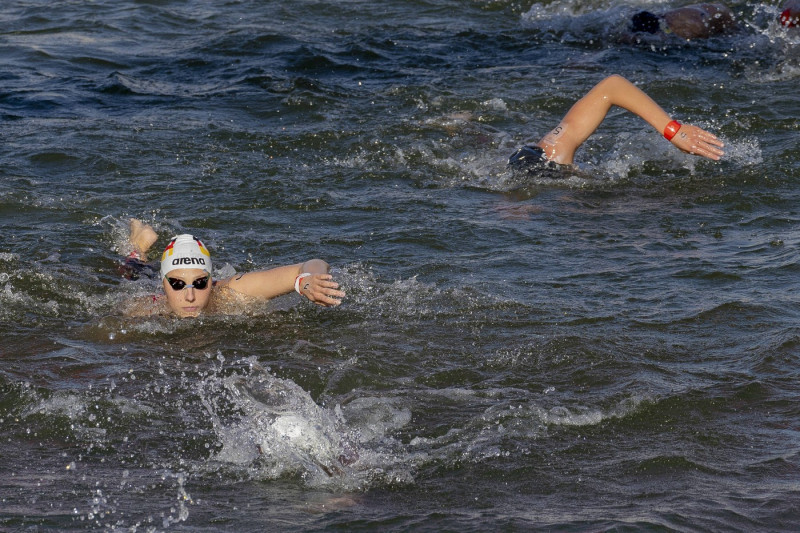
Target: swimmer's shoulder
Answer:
[[144, 306], [227, 301]]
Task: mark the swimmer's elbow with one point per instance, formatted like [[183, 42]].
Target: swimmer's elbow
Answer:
[[612, 88], [614, 79]]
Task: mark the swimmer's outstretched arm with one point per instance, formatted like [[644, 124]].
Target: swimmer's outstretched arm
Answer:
[[587, 113], [318, 286]]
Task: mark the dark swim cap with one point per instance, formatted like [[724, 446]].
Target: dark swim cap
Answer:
[[532, 161], [527, 156], [645, 21]]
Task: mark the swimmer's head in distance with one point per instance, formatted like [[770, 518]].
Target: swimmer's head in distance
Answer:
[[645, 21]]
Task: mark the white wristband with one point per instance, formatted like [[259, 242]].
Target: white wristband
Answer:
[[298, 279]]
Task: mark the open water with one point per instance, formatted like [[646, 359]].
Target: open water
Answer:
[[617, 349]]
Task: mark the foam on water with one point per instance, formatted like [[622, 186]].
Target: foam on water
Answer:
[[508, 428], [278, 430], [269, 428], [744, 152]]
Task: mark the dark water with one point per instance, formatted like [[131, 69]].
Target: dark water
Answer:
[[613, 350]]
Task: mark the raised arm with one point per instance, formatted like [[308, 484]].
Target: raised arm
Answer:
[[310, 278], [587, 113]]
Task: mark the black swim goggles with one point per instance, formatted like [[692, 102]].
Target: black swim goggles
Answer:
[[200, 284]]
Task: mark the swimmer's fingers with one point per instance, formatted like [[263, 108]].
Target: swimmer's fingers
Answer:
[[320, 289], [697, 141]]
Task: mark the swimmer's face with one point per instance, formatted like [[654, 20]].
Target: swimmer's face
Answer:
[[189, 301]]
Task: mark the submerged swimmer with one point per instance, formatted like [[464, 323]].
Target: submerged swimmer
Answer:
[[558, 147], [189, 289], [698, 21]]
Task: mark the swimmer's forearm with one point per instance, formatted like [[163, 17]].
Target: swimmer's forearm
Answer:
[[264, 284], [318, 286], [690, 139], [626, 95]]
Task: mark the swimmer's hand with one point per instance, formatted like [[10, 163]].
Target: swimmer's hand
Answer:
[[142, 237], [322, 290], [697, 141]]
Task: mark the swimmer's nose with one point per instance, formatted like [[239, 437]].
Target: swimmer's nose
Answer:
[[189, 294]]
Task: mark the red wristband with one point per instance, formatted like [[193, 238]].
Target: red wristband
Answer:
[[671, 129], [787, 19]]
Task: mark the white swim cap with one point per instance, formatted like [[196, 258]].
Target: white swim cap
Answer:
[[185, 251]]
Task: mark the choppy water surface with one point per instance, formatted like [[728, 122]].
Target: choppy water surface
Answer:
[[616, 349]]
